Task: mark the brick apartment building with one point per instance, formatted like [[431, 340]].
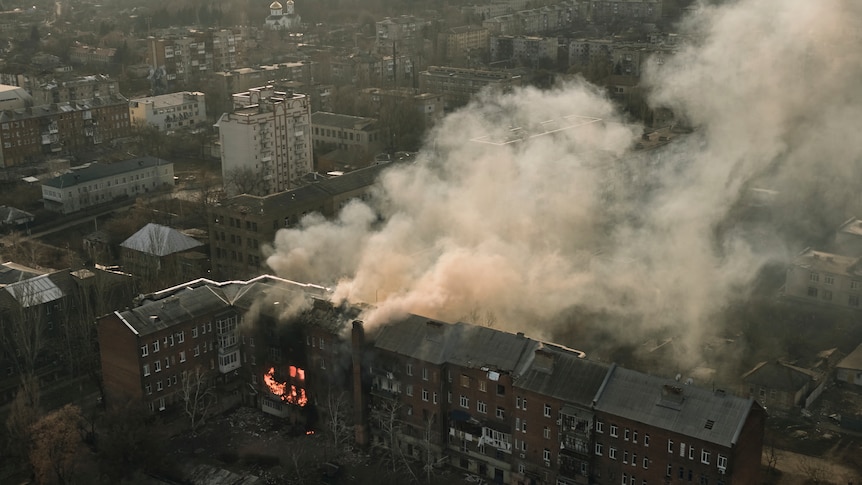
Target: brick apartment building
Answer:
[[35, 133], [503, 406]]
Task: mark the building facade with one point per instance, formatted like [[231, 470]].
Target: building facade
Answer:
[[332, 131], [33, 134], [459, 85], [825, 278], [460, 43], [523, 50], [74, 89], [268, 135], [169, 112], [98, 183], [180, 58]]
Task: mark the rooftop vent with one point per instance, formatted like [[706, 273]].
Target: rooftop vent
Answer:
[[709, 424]]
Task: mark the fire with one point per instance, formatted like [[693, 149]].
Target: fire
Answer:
[[288, 393], [309, 432]]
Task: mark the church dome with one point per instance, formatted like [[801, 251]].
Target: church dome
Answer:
[[275, 5]]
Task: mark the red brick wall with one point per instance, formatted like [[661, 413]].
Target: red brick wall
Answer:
[[120, 356]]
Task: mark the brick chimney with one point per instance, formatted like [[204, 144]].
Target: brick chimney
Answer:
[[360, 427]]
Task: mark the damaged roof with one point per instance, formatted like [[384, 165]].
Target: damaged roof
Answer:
[[570, 378], [780, 375], [711, 416]]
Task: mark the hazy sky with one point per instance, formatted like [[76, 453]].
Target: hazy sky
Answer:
[[581, 218]]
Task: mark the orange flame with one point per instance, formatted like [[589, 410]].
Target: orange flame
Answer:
[[309, 432], [290, 394]]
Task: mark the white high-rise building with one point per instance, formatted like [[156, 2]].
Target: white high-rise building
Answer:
[[265, 141]]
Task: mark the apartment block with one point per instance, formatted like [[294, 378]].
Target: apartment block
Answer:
[[268, 135], [551, 18], [459, 85], [523, 49], [401, 34], [101, 183], [353, 133], [430, 105], [74, 89], [459, 43], [190, 56], [35, 133]]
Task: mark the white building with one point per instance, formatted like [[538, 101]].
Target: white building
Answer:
[[100, 183], [282, 18], [169, 112], [821, 277], [14, 97], [267, 134]]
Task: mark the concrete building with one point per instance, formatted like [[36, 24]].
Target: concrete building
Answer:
[[85, 54], [161, 256], [169, 112], [430, 105], [523, 50], [460, 43], [239, 226], [459, 85], [402, 34], [179, 58], [825, 278], [101, 183], [269, 135], [782, 386], [32, 134], [603, 11], [353, 133], [548, 19], [14, 97]]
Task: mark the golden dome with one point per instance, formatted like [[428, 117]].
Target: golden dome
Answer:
[[275, 5]]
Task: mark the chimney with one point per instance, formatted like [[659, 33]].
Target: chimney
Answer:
[[360, 428]]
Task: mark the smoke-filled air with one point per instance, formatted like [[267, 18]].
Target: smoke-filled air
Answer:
[[574, 215]]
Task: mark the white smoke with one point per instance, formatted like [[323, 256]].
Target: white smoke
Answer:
[[521, 232]]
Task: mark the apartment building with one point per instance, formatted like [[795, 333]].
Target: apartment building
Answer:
[[402, 34], [74, 89], [99, 183], [85, 54], [551, 18], [825, 278], [14, 97], [614, 10], [655, 430], [169, 112], [239, 226], [191, 55], [459, 85], [32, 134], [269, 135], [459, 43], [430, 105], [207, 330], [523, 50]]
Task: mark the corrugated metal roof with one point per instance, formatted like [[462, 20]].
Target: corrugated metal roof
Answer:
[[35, 291], [779, 375], [665, 403], [159, 240]]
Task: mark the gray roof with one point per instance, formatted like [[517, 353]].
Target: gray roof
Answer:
[[780, 375], [35, 291], [200, 297], [324, 118], [461, 344], [159, 240], [715, 417], [572, 378], [96, 171], [13, 272], [13, 216]]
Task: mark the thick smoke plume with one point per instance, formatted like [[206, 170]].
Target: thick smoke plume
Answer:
[[518, 234]]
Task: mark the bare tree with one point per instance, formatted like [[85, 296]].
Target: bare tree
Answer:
[[429, 447], [57, 446], [23, 324], [243, 180], [23, 412], [813, 470], [338, 412], [198, 395], [387, 416]]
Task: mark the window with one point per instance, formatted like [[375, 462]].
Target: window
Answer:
[[481, 407], [646, 440], [465, 403], [814, 277], [546, 433], [518, 401], [195, 332], [646, 463], [465, 381], [159, 386], [434, 398], [635, 436], [424, 373], [409, 369], [599, 449], [547, 410], [812, 292], [146, 369], [625, 457], [425, 394], [483, 386], [721, 462], [691, 452], [501, 413], [501, 391], [181, 337], [145, 350], [704, 457], [612, 453], [409, 389], [626, 434], [157, 366], [524, 426], [670, 446], [149, 389], [600, 426], [197, 350], [853, 300], [321, 342], [855, 285], [167, 363], [182, 356], [827, 295], [682, 450], [546, 454], [829, 279], [614, 430], [634, 459], [155, 346]]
